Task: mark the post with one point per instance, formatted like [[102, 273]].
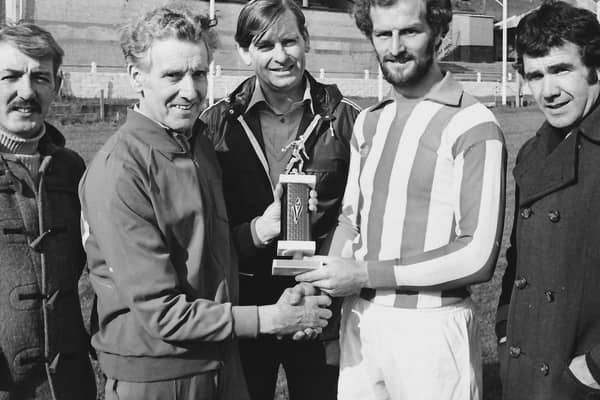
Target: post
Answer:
[[504, 48], [518, 94], [379, 84], [210, 90], [321, 73], [366, 74], [101, 104], [211, 68], [478, 76], [93, 67]]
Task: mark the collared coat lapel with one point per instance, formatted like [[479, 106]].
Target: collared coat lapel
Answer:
[[550, 165]]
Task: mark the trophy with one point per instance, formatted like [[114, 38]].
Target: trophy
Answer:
[[296, 241]]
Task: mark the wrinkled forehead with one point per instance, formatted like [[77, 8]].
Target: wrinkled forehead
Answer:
[[12, 58], [565, 54], [173, 51]]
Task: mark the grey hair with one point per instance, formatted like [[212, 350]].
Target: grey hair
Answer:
[[163, 23]]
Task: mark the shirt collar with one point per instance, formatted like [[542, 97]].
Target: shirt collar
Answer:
[[259, 97], [447, 91]]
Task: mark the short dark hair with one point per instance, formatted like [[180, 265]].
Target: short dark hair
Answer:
[[163, 23], [439, 14], [34, 42], [257, 16], [554, 24]]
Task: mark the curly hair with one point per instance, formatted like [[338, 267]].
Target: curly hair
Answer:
[[257, 16], [34, 42], [164, 23], [439, 14], [552, 25]]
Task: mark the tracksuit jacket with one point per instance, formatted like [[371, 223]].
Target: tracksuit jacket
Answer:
[[159, 254]]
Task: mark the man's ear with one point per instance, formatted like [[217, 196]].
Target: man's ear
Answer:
[[244, 53], [307, 43], [135, 78]]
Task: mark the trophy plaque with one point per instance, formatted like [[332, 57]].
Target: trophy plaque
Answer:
[[296, 242]]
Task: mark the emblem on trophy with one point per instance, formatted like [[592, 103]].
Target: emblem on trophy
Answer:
[[296, 241]]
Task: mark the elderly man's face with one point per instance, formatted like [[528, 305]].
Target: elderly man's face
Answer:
[[27, 87], [174, 85]]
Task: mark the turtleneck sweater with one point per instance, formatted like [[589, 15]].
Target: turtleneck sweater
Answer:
[[24, 150]]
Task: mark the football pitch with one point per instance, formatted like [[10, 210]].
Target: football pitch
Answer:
[[518, 125]]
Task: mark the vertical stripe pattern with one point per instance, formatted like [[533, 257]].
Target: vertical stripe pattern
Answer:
[[425, 192]]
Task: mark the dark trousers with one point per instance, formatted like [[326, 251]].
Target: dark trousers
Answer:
[[308, 375]]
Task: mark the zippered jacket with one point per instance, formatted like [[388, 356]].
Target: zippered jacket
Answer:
[[159, 254], [238, 140]]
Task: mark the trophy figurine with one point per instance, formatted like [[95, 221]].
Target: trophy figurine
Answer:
[[296, 241]]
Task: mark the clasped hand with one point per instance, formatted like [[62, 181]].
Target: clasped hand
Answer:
[[337, 277], [300, 311]]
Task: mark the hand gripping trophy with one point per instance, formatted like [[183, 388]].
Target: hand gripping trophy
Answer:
[[296, 240]]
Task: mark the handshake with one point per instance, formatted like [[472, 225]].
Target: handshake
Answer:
[[301, 311]]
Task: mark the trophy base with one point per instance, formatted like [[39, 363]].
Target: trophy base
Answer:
[[291, 267], [293, 247]]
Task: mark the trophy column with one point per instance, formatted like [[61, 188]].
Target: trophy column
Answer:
[[296, 242]]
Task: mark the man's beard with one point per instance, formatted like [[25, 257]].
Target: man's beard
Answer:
[[405, 78]]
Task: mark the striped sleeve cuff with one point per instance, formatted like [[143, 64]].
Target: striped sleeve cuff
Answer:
[[381, 274]]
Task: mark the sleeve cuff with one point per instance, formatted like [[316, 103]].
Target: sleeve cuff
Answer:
[[381, 274], [244, 242], [245, 321], [255, 239]]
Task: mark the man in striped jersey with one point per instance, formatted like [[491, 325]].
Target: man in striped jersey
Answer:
[[422, 219]]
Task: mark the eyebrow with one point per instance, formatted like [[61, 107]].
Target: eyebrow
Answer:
[[560, 67], [21, 72]]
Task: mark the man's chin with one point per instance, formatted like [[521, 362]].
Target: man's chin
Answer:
[[24, 128]]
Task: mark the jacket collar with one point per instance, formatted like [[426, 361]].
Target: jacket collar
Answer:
[[324, 98], [447, 92], [552, 162], [258, 96], [52, 141], [155, 135]]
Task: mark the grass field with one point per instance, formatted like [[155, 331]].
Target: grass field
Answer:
[[518, 125]]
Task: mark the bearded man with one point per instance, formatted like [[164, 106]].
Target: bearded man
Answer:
[[421, 219]]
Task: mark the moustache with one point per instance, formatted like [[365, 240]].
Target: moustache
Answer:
[[34, 105], [400, 58]]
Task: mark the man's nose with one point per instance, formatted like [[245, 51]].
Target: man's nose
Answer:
[[397, 44], [25, 88], [187, 87], [279, 53], [550, 88]]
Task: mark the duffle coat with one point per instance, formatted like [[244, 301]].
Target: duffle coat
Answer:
[[550, 303], [43, 342]]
